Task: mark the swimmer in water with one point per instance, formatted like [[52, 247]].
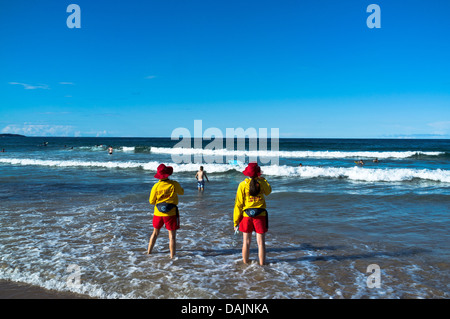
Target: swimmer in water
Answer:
[[201, 174]]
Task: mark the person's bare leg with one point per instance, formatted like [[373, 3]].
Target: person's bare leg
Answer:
[[261, 240], [247, 238], [152, 240], [172, 242]]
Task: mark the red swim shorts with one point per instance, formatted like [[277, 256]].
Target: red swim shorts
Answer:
[[171, 222], [257, 224]]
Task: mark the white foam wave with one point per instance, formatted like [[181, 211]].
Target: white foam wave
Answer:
[[58, 284], [69, 163], [151, 166], [127, 148], [103, 148], [360, 174], [291, 154], [352, 173]]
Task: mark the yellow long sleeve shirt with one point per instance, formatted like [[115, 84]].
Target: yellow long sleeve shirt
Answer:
[[245, 201], [166, 191]]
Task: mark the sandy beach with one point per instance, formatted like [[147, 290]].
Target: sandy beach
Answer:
[[14, 290]]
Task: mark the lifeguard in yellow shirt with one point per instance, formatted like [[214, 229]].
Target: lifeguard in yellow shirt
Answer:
[[250, 212], [164, 196]]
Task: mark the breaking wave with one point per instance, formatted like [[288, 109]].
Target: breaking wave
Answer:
[[352, 173], [293, 154]]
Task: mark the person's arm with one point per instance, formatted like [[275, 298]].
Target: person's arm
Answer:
[[206, 176], [265, 186], [178, 189], [196, 176], [238, 205], [152, 198]]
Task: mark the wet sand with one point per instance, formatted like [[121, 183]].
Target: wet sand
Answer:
[[15, 290]]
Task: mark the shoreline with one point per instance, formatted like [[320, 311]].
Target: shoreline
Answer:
[[16, 290]]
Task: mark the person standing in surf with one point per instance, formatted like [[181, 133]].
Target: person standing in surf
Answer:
[[164, 195], [250, 212], [201, 176]]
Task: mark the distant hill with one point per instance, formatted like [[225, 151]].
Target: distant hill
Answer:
[[11, 135]]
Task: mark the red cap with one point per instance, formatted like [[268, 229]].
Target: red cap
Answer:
[[163, 171], [252, 170]]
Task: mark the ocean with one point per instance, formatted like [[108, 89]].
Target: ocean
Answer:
[[77, 219]]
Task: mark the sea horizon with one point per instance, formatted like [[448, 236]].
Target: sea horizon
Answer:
[[201, 137]]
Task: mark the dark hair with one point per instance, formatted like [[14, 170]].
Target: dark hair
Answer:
[[254, 187]]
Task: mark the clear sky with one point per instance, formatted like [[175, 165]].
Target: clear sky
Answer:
[[143, 68]]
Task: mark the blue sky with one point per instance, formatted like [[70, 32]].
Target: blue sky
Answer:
[[144, 68]]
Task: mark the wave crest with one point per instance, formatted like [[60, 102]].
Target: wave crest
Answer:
[[352, 173], [292, 154]]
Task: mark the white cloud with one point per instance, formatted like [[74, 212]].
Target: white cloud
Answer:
[[39, 129], [150, 77], [442, 127], [67, 83], [31, 87]]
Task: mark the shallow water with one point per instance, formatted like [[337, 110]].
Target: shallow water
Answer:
[[329, 220]]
